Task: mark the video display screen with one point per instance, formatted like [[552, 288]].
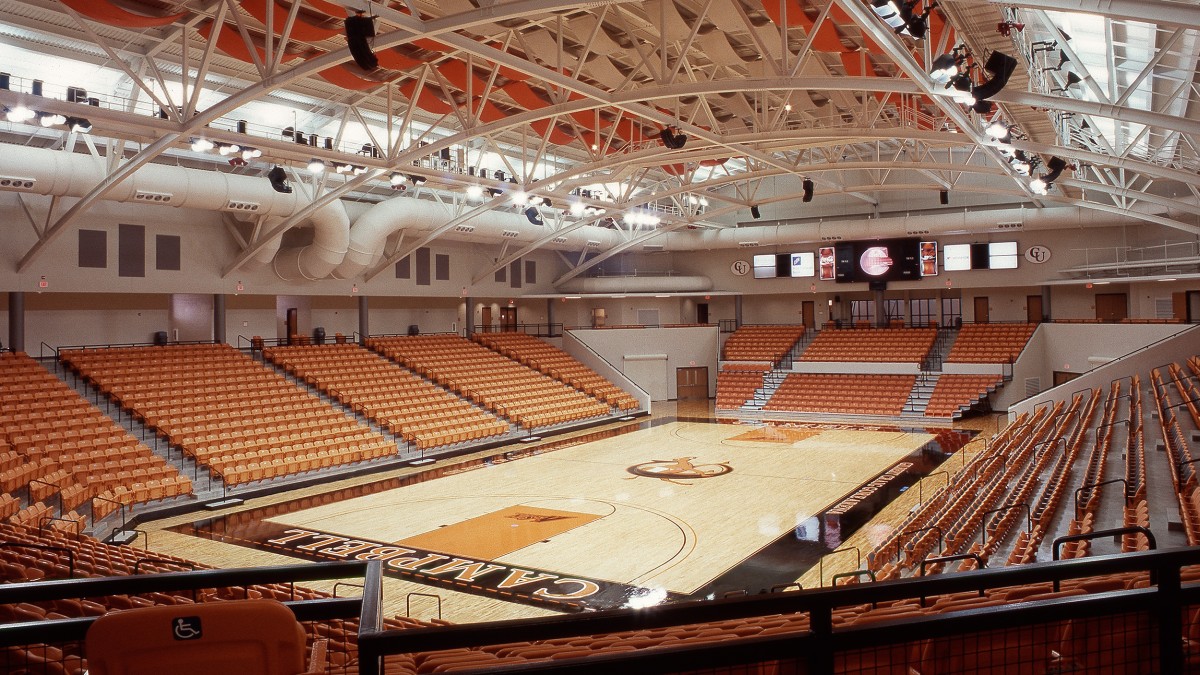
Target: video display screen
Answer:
[[997, 255], [773, 265], [883, 260]]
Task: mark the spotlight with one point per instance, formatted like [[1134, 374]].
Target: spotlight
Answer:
[[1056, 166], [1072, 80], [754, 212], [534, 217], [201, 145], [416, 180], [577, 208], [79, 125], [536, 200], [396, 179], [944, 67], [343, 167], [1001, 66], [672, 140], [225, 150], [359, 170], [21, 114], [890, 13], [999, 131], [278, 178], [251, 153], [494, 192], [316, 166], [1005, 27], [474, 191], [807, 185], [1039, 186], [51, 119], [520, 198]]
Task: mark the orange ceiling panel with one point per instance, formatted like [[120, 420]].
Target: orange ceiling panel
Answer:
[[106, 12]]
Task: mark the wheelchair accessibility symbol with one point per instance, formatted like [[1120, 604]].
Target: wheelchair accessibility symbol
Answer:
[[186, 628]]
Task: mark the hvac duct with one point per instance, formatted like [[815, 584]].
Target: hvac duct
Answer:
[[372, 229], [64, 174], [934, 224]]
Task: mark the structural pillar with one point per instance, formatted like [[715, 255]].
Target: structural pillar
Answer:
[[364, 320], [1046, 303], [16, 321], [219, 318], [881, 317], [550, 316], [737, 312], [470, 315]]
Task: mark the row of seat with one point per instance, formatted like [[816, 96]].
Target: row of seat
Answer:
[[526, 397], [840, 393], [735, 387], [387, 394], [761, 343], [990, 342], [70, 450], [550, 360], [174, 384], [874, 345], [955, 392]]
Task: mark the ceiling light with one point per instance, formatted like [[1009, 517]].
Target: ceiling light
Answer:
[[79, 125], [21, 114], [396, 179], [1168, 279], [316, 165], [201, 145], [51, 119], [474, 191], [520, 198], [944, 67], [577, 208], [1039, 186], [997, 130]]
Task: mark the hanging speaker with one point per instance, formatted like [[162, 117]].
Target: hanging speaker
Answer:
[[359, 30], [944, 197], [808, 190], [754, 212]]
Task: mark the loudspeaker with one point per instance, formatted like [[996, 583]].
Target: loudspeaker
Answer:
[[754, 212], [278, 178], [808, 190], [944, 197], [359, 29]]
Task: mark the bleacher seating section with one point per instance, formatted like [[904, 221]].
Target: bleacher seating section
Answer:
[[990, 342], [953, 392], [761, 343], [842, 394], [873, 345], [1038, 460], [406, 405], [521, 394], [550, 360], [58, 447], [32, 554], [238, 418], [736, 383]]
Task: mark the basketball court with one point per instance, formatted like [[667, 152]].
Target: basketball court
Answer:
[[661, 509]]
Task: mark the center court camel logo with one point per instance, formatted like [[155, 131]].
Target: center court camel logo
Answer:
[[678, 469]]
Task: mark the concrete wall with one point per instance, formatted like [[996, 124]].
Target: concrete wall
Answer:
[[649, 356]]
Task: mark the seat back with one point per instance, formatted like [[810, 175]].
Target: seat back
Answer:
[[248, 637]]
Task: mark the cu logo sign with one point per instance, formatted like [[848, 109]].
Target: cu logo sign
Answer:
[[740, 268], [1037, 254]]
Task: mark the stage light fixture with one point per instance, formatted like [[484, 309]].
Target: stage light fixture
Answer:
[[417, 179], [672, 140], [316, 165], [79, 125], [1001, 66], [278, 178], [359, 170], [51, 119], [474, 191], [1072, 80], [944, 67], [201, 145], [396, 179], [534, 217], [21, 114], [577, 208]]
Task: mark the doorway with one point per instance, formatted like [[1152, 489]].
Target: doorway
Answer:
[[702, 312], [291, 325], [1063, 377], [485, 320], [981, 309], [508, 318], [808, 314], [1033, 308], [1186, 306], [1112, 307], [691, 384]]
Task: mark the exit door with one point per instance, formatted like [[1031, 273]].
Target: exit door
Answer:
[[702, 312], [485, 320], [981, 309], [691, 384], [508, 318], [1033, 308], [808, 314], [1112, 307]]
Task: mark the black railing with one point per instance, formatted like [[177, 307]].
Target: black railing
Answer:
[[816, 648]]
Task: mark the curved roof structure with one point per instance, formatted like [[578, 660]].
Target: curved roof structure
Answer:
[[664, 122]]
